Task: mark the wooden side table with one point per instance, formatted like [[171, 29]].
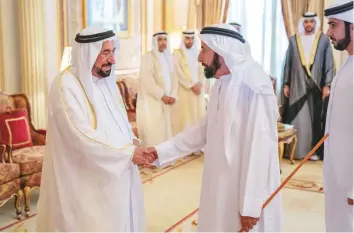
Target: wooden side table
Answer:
[[286, 135]]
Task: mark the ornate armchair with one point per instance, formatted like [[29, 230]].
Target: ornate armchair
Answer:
[[129, 95], [27, 155], [286, 133], [10, 182]]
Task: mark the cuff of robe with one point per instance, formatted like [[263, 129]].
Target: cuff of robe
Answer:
[[193, 83], [163, 159], [350, 194], [252, 207]]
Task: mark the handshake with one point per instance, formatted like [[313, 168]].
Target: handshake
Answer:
[[144, 156]]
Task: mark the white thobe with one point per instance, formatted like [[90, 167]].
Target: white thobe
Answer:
[[239, 188], [193, 65], [89, 182], [338, 152], [166, 73], [307, 43], [153, 117]]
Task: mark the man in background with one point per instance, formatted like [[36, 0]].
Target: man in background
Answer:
[[157, 94], [190, 74], [338, 149], [308, 73]]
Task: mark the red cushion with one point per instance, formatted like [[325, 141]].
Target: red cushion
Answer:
[[14, 129]]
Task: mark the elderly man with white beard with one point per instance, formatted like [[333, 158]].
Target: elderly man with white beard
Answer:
[[239, 135], [90, 179]]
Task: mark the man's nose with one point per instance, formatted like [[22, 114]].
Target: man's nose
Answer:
[[112, 60], [328, 32], [200, 57]]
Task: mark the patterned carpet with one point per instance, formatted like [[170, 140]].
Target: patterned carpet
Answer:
[[147, 176], [185, 195], [312, 182]]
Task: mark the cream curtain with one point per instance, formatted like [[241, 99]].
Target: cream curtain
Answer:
[[212, 12], [206, 12], [317, 6]]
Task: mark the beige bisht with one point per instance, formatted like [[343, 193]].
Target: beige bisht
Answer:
[[190, 107], [154, 117]]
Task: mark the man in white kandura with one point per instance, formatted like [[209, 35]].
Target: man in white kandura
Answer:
[[338, 149], [239, 134], [190, 74], [90, 181], [157, 93]]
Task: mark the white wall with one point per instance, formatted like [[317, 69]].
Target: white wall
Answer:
[[130, 48], [11, 46]]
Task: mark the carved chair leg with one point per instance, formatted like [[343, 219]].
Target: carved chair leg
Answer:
[[293, 147], [27, 191], [280, 152], [18, 204]]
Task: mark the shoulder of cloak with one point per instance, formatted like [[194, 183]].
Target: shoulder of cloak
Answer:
[[292, 40], [68, 80], [177, 52], [259, 84], [148, 56], [325, 39]]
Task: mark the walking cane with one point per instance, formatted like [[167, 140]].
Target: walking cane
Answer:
[[294, 172]]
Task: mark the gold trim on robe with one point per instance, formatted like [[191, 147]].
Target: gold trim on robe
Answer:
[[312, 54], [92, 111], [185, 66]]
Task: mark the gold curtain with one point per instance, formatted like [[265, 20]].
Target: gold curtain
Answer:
[[294, 9], [226, 11], [317, 6], [206, 12], [2, 75], [211, 12], [33, 66]]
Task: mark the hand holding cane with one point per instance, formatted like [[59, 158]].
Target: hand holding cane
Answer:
[[294, 172]]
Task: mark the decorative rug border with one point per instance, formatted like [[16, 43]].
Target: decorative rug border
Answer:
[[159, 173], [185, 218]]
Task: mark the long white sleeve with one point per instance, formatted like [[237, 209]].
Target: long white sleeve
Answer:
[[190, 140], [261, 145]]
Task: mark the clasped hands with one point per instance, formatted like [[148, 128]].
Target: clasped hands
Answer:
[[144, 156], [197, 88], [168, 100]]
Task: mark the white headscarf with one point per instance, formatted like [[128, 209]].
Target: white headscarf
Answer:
[[237, 26], [167, 52], [346, 15], [243, 69], [301, 28], [196, 45], [191, 53], [83, 57]]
